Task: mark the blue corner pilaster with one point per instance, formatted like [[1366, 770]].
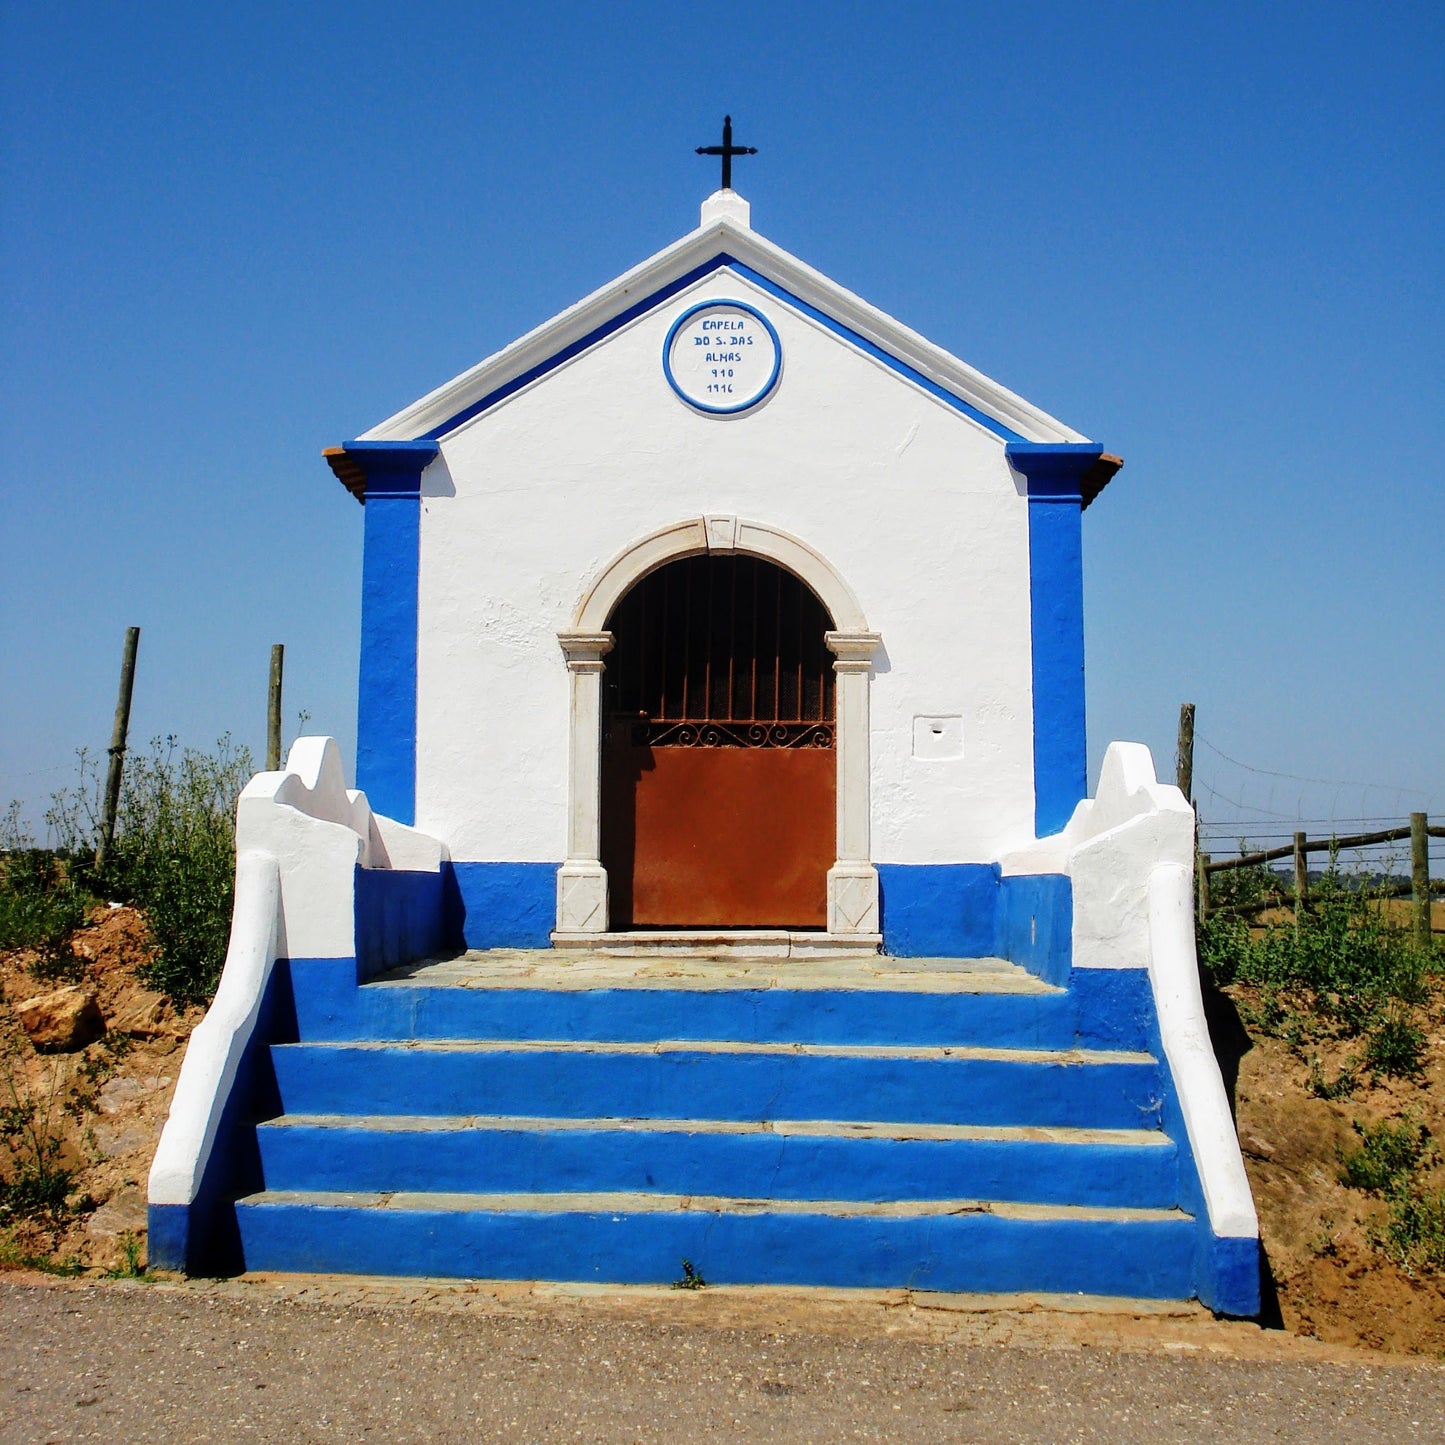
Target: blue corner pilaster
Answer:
[[1055, 474], [386, 696]]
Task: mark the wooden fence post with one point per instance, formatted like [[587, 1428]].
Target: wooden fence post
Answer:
[[1184, 757], [1420, 878], [1202, 869], [273, 710], [118, 733], [1301, 877]]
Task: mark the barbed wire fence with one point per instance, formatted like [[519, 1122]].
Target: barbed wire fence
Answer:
[[1252, 816]]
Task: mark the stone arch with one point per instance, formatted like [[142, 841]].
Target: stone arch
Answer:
[[718, 534], [582, 907]]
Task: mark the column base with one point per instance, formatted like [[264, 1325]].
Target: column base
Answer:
[[853, 899], [581, 898]]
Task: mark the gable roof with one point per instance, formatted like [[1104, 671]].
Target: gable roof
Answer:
[[724, 240]]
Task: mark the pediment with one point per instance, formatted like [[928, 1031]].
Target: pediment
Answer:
[[724, 242]]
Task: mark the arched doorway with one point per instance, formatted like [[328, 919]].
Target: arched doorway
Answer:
[[719, 771], [585, 913]]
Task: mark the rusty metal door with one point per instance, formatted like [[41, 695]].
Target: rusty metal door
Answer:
[[719, 773]]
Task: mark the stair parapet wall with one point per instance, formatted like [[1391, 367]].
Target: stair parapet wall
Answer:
[[1129, 853], [318, 875]]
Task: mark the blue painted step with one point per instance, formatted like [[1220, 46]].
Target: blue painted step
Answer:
[[639, 1239], [699, 1156], [1102, 1007], [727, 1081], [1044, 1019]]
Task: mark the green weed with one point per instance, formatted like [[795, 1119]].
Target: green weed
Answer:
[[1387, 1157], [1396, 1045], [691, 1279], [130, 1266], [1340, 1087], [42, 901], [35, 1186], [1414, 1232], [14, 1255]]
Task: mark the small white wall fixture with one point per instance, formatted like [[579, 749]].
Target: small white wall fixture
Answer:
[[582, 905]]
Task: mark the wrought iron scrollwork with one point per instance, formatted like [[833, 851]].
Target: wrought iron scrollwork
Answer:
[[731, 735]]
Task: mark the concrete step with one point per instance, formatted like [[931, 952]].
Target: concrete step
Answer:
[[523, 995], [643, 1238], [777, 1159], [733, 1079]]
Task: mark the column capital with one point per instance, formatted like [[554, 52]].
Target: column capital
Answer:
[[1062, 471], [584, 651], [382, 469], [852, 651]]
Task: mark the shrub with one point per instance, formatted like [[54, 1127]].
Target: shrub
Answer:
[[175, 857], [1414, 1233], [41, 901], [174, 854], [1396, 1045], [1387, 1156], [1343, 964]]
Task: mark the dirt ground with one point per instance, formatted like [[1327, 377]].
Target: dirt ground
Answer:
[[109, 1100], [106, 1103], [1329, 1278]]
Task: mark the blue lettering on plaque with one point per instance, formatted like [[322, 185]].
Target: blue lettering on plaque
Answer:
[[738, 365]]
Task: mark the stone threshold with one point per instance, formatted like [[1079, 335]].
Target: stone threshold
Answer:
[[580, 970], [723, 943]]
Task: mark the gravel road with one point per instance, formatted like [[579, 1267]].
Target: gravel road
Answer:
[[336, 1362]]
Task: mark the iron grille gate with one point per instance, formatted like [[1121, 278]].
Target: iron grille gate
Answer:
[[719, 773], [722, 652]]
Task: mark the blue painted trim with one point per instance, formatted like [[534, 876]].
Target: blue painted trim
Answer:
[[1113, 1008], [1232, 1285], [391, 560], [1226, 1271], [168, 1231], [1054, 470], [393, 468], [716, 263], [742, 406], [1054, 473], [502, 905], [892, 362]]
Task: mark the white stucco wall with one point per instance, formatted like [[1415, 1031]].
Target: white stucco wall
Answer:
[[912, 502]]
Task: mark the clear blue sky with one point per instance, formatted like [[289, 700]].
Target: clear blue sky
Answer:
[[1209, 237]]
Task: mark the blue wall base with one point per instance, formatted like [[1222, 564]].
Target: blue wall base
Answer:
[[1228, 1277], [501, 905], [971, 910]]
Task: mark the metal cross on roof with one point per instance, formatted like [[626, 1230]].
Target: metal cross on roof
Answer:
[[727, 150]]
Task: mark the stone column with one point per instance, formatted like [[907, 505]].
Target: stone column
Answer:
[[853, 880], [582, 880]]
